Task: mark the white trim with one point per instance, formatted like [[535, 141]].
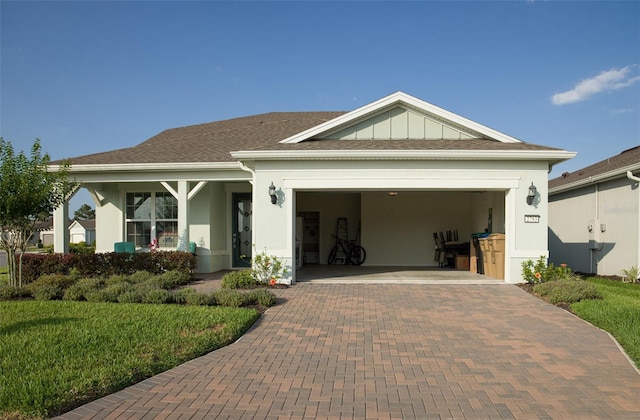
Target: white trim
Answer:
[[195, 190], [545, 155], [618, 173], [393, 99], [169, 188], [413, 184], [120, 167]]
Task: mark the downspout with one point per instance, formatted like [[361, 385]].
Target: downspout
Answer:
[[248, 169], [636, 179]]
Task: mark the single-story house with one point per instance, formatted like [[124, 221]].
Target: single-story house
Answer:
[[391, 173], [82, 231], [594, 226]]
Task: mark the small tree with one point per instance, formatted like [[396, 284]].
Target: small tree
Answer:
[[28, 195], [85, 212]]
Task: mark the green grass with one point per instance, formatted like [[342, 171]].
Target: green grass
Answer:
[[618, 312], [57, 355]]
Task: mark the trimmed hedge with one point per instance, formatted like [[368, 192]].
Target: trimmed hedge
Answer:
[[105, 264]]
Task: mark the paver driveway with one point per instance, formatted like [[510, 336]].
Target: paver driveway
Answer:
[[397, 351]]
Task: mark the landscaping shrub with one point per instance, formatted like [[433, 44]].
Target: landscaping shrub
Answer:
[[262, 297], [229, 297], [105, 264], [171, 279], [238, 280], [57, 280], [11, 292], [567, 291], [157, 296], [47, 292], [116, 279], [540, 272], [81, 248], [140, 276], [631, 274], [196, 298], [101, 295], [79, 290], [181, 296], [130, 296]]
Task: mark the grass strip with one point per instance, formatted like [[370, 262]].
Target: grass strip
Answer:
[[57, 355], [618, 312]]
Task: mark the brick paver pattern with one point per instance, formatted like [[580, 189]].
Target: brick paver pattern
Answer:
[[397, 351]]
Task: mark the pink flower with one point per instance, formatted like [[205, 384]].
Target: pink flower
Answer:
[[272, 282]]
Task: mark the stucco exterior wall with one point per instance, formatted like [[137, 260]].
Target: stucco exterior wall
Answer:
[[500, 181], [611, 206]]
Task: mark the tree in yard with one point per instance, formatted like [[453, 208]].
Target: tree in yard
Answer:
[[85, 212], [29, 193]]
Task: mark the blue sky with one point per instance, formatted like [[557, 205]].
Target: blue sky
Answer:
[[87, 77]]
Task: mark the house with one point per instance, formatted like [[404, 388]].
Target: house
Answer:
[[594, 225], [82, 231], [396, 171]]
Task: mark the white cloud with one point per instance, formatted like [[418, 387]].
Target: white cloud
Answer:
[[621, 111], [604, 82]]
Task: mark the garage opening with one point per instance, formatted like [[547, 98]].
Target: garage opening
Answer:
[[397, 228]]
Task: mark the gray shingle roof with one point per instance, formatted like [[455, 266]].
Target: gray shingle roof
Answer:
[[619, 162], [213, 142]]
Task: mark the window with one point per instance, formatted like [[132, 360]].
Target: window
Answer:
[[152, 216]]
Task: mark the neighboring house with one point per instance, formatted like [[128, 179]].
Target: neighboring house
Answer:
[[82, 231], [594, 225], [398, 169], [44, 233]]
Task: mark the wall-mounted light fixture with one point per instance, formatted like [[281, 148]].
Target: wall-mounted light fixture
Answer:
[[272, 193], [392, 193], [532, 194]]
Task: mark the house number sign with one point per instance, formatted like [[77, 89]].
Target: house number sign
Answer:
[[532, 218]]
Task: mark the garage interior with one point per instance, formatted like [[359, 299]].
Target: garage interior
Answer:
[[396, 228]]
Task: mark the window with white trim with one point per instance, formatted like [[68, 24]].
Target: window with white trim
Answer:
[[149, 216]]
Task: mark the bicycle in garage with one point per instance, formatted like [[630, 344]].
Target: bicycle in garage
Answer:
[[347, 251]]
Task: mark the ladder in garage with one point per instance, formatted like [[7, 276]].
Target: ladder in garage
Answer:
[[342, 234]]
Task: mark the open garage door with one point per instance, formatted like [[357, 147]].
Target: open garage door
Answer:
[[397, 227]]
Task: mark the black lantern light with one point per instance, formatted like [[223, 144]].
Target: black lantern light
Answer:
[[272, 193], [532, 194]]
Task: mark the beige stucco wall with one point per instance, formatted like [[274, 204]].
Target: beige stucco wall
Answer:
[[612, 205]]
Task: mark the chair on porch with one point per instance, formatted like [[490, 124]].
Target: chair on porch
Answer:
[[129, 247]]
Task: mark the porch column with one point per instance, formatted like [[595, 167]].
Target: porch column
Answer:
[[183, 215], [61, 228]]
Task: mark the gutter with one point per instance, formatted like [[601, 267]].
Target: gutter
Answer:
[[616, 173], [631, 177], [545, 155], [636, 179]]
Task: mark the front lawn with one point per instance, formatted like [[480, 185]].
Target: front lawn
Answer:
[[57, 355], [618, 312]]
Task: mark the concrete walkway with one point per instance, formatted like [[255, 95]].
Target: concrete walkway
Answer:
[[370, 351]]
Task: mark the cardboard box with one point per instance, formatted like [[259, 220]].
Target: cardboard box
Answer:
[[462, 262], [473, 264]]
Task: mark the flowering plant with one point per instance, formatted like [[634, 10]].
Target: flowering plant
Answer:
[[540, 272], [154, 245], [267, 269]]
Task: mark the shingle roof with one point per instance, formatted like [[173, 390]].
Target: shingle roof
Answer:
[[615, 163], [467, 144], [89, 224], [213, 142]]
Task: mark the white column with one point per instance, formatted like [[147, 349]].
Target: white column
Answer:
[[61, 228], [183, 215], [290, 209]]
